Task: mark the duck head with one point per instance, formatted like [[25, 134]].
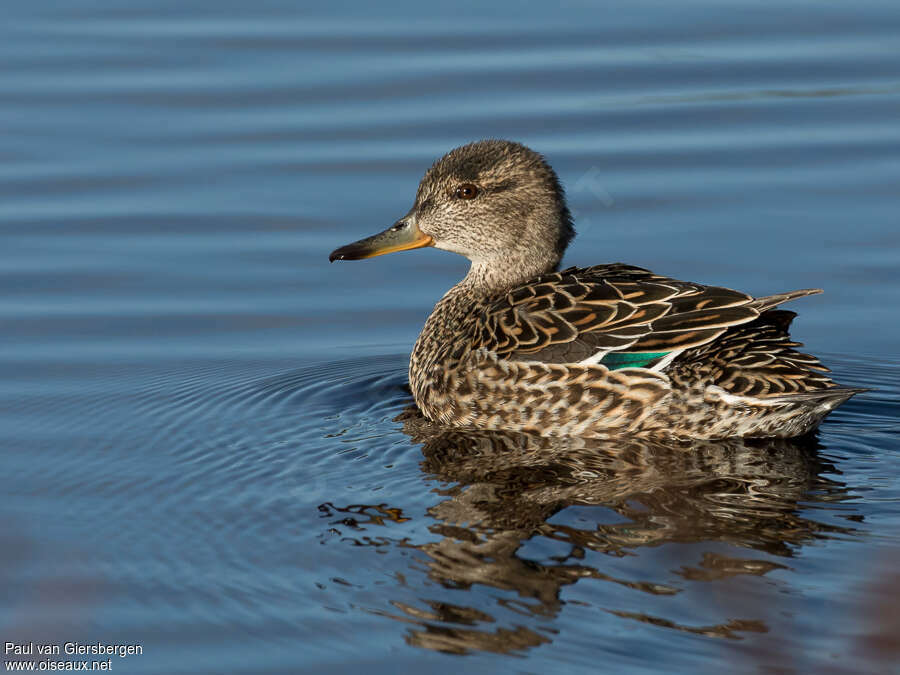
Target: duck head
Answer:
[[497, 203]]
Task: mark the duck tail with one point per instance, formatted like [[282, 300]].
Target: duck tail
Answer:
[[828, 399]]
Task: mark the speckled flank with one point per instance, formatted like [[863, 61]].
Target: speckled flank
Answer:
[[517, 345]]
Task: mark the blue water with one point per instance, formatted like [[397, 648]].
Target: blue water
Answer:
[[204, 428]]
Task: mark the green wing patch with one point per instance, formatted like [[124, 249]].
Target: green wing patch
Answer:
[[616, 360]]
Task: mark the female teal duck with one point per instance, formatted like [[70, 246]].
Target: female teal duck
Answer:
[[587, 351]]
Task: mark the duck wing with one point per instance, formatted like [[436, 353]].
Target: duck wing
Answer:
[[756, 359], [616, 314]]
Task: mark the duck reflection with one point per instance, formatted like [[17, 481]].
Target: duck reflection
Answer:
[[504, 490]]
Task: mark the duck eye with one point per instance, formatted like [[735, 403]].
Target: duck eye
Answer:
[[466, 191]]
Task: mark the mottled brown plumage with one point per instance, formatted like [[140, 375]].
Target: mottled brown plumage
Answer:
[[595, 351]]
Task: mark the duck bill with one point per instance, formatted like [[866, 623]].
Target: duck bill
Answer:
[[402, 236]]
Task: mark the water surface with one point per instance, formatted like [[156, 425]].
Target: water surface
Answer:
[[205, 429]]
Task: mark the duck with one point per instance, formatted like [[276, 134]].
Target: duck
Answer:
[[605, 351]]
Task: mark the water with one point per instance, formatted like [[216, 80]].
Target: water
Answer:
[[198, 428]]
